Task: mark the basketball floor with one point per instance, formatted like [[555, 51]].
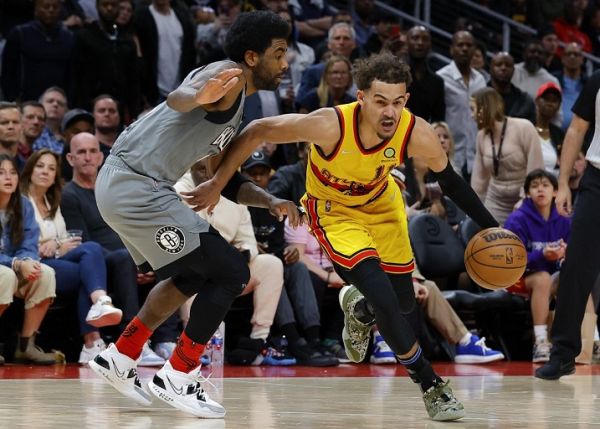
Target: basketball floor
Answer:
[[499, 395]]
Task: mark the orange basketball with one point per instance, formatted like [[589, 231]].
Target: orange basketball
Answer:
[[495, 258]]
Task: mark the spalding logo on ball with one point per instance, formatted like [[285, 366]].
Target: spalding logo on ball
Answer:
[[495, 258]]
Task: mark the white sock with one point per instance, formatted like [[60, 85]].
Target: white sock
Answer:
[[541, 333], [466, 339], [596, 335]]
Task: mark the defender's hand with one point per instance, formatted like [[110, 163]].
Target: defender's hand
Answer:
[[204, 196], [280, 208]]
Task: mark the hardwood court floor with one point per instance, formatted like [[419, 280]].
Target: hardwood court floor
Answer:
[[501, 395]]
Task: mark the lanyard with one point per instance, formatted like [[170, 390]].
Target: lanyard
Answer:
[[496, 157]]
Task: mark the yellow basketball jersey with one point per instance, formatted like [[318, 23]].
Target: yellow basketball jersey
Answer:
[[352, 175]]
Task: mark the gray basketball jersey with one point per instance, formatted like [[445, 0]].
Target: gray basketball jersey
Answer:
[[165, 143]]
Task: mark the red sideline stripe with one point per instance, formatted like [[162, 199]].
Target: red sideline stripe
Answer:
[[346, 262], [398, 268]]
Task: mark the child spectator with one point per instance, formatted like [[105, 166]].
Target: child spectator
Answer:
[[545, 234]]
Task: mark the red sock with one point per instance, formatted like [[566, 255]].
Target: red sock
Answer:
[[187, 354], [133, 338]]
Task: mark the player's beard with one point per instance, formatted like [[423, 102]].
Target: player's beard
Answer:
[[263, 79]]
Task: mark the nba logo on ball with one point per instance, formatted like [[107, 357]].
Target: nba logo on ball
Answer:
[[170, 239], [495, 258]]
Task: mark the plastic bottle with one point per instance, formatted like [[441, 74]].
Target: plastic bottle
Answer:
[[217, 346]]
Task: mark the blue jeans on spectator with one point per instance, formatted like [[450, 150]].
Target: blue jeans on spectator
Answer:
[[81, 269]]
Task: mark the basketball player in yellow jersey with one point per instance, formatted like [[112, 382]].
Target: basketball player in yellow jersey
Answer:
[[356, 211]]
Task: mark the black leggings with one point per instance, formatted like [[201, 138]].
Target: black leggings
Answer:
[[392, 298]]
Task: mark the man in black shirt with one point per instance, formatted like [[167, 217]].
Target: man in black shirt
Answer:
[[517, 103], [427, 89]]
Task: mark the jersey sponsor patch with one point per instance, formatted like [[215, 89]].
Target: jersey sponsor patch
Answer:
[[224, 138], [170, 239]]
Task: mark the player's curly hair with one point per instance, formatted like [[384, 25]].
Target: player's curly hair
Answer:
[[385, 67], [254, 31]]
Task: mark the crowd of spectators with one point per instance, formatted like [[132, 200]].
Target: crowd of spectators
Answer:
[[74, 74]]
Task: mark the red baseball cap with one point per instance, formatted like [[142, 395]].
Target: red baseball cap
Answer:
[[548, 86]]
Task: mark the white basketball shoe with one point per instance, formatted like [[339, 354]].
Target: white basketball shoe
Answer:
[[184, 392]]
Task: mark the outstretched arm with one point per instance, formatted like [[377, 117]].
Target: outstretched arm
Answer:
[[207, 87], [319, 127], [425, 144]]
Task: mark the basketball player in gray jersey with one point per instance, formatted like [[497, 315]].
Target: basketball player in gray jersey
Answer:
[[135, 196]]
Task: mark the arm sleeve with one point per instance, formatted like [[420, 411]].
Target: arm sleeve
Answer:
[[463, 195], [230, 191]]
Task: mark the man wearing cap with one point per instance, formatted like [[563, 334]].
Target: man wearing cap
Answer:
[[548, 102], [517, 103], [74, 122]]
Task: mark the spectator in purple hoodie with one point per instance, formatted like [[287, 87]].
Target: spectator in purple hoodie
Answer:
[[545, 234]]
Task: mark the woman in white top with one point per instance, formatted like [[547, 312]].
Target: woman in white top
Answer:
[[79, 266], [547, 102], [507, 149]]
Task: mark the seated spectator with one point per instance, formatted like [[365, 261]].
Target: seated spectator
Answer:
[[22, 274], [79, 208], [297, 310], [571, 79], [517, 103], [507, 149], [333, 87], [78, 266], [340, 41], [33, 117], [54, 100], [550, 43], [107, 121], [551, 136], [469, 347], [10, 129], [233, 222], [545, 234], [530, 74]]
